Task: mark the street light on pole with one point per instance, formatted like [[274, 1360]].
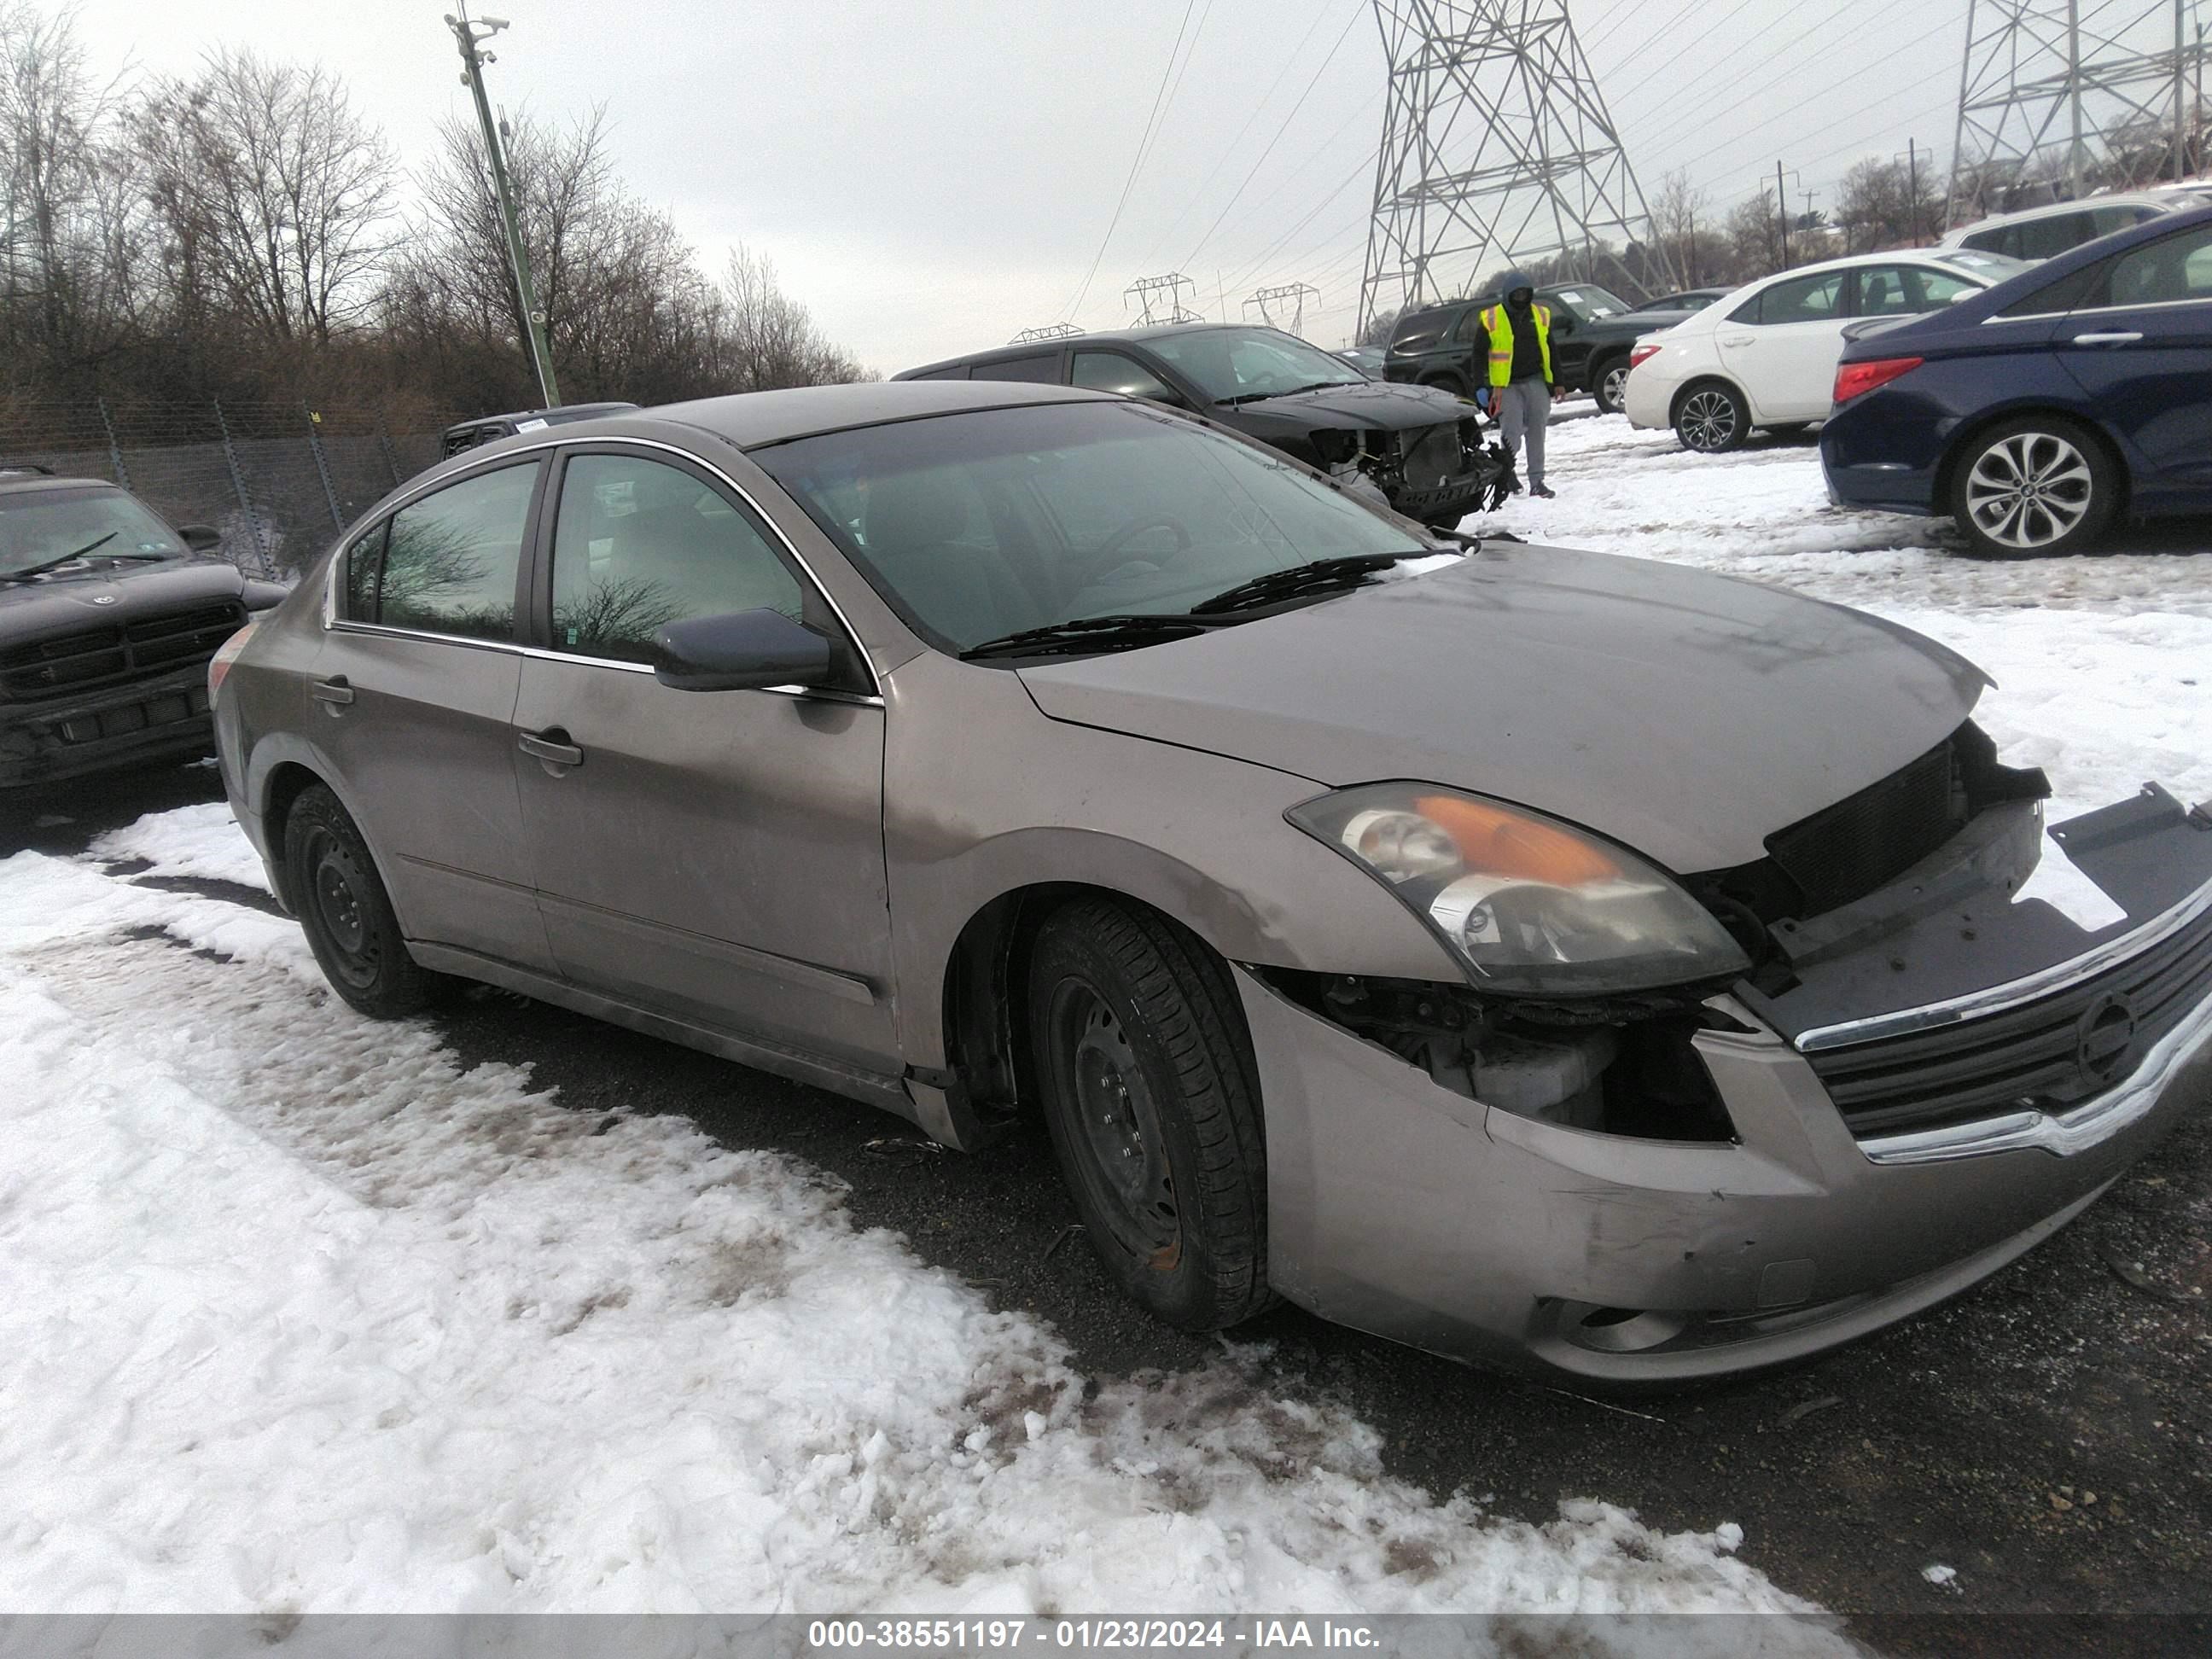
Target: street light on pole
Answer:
[[470, 34]]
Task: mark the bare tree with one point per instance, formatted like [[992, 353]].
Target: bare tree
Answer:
[[67, 220], [275, 193], [1877, 207], [767, 339]]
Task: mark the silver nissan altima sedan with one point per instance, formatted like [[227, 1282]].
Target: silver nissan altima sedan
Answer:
[[1540, 957]]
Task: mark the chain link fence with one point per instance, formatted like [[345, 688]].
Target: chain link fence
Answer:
[[278, 480]]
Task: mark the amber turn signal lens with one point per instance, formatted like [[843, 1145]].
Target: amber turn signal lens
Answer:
[[1503, 843]]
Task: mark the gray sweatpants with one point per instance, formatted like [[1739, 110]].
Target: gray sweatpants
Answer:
[[1524, 408]]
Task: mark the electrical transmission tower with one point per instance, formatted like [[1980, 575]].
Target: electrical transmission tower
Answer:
[[1147, 293], [1496, 145], [1295, 295], [2060, 99], [1049, 332]]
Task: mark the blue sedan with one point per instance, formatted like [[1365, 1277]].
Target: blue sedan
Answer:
[[2036, 411]]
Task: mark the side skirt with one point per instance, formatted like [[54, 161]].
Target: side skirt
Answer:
[[870, 1088]]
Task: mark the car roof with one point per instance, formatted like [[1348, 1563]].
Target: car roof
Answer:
[[32, 481], [2056, 269], [1136, 336], [2163, 199], [749, 420]]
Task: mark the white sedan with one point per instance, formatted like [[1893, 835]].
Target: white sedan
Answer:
[[1765, 356]]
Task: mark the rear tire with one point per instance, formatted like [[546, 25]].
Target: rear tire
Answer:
[[1712, 419], [1148, 1089], [348, 916], [2035, 484], [1609, 385]]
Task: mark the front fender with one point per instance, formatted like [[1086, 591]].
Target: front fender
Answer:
[[986, 796]]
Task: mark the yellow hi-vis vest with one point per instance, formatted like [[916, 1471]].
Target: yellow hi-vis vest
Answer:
[[1499, 327]]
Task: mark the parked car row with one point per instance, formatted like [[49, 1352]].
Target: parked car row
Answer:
[[1419, 448], [1594, 332], [1765, 355], [2035, 405]]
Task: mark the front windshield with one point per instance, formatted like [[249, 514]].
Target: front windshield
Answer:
[[973, 526], [1991, 268], [39, 525], [1251, 362], [1588, 302]]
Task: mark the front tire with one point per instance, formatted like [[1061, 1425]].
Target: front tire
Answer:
[[1609, 386], [1148, 1088], [348, 916], [2035, 485], [1712, 419]]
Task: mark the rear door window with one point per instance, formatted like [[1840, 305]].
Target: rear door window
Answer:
[[2051, 235], [1109, 371], [2173, 270], [1816, 299], [1044, 369], [1423, 328], [449, 561]]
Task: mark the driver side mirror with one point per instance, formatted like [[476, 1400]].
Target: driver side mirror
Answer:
[[742, 651], [200, 537]]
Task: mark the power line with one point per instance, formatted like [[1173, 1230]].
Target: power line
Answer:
[[1278, 138], [1143, 143], [1221, 158]]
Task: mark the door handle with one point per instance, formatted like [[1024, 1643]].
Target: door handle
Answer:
[[1740, 339], [549, 747], [333, 691], [2104, 339]]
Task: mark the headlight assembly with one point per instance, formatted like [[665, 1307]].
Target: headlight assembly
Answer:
[[1532, 906]]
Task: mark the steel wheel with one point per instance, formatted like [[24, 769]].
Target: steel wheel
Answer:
[[1127, 1164], [340, 902], [1712, 419], [333, 884], [2029, 491], [1144, 1073], [1613, 388]]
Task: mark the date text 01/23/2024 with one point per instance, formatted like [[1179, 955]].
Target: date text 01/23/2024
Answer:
[[923, 1635]]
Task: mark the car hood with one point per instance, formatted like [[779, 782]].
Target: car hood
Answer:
[[1685, 715], [1381, 405], [98, 592]]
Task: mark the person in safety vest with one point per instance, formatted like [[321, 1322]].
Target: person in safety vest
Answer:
[[1521, 388]]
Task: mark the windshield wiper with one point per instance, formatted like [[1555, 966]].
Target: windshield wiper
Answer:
[[1292, 392], [1089, 634], [50, 564], [1317, 577]]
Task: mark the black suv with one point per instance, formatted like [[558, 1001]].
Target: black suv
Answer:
[[1420, 449], [107, 620], [1592, 332]]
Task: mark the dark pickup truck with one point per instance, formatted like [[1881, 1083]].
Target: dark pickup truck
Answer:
[[108, 617], [1592, 333]]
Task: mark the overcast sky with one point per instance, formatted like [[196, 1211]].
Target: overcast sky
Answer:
[[931, 177]]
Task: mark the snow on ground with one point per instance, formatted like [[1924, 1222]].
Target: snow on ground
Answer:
[[2103, 661], [295, 1314], [192, 840]]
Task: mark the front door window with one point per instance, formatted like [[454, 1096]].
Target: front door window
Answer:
[[638, 544]]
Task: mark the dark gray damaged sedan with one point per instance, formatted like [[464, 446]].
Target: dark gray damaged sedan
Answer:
[[1536, 955]]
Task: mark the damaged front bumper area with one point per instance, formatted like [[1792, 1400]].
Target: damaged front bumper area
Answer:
[[1436, 474], [153, 718], [1940, 1077]]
